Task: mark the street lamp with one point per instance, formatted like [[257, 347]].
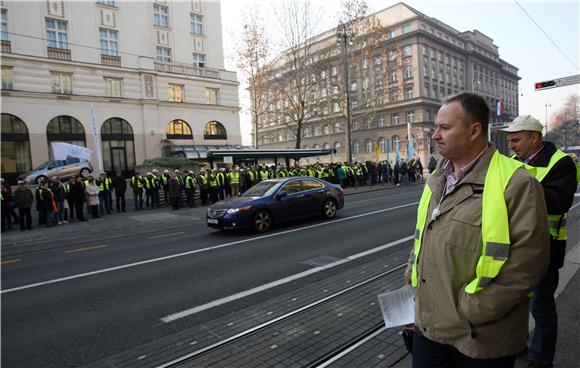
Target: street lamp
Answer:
[[547, 105], [344, 36]]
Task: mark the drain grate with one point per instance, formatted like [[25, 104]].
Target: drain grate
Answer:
[[321, 261]]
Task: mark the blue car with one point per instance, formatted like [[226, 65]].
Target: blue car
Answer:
[[274, 201]]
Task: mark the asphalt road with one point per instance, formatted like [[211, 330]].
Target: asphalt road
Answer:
[[82, 301]]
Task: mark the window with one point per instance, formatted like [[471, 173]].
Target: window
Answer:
[[178, 129], [175, 92], [411, 117], [326, 129], [109, 42], [408, 93], [198, 60], [333, 71], [395, 119], [382, 145], [353, 86], [393, 76], [381, 121], [365, 63], [56, 34], [393, 96], [378, 60], [7, 77], [113, 87], [161, 15], [61, 83], [406, 28], [378, 80], [292, 187], [407, 50], [425, 50], [4, 25], [163, 54], [335, 107], [408, 73], [369, 146], [212, 96], [425, 71], [337, 127], [380, 97], [323, 74], [214, 130], [392, 55], [337, 147], [355, 147], [107, 2], [197, 24]]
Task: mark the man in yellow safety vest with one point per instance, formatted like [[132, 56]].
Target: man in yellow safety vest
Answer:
[[481, 245]]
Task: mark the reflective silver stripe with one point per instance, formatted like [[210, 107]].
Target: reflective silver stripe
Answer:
[[413, 256], [484, 281], [556, 224], [417, 234], [499, 251]]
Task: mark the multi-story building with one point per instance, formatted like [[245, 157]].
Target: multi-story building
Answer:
[[395, 89], [133, 74]]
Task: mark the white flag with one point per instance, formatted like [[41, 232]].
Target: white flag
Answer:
[[63, 150]]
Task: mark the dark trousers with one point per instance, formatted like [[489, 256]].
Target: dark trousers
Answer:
[[79, 211], [204, 193], [175, 203], [430, 354], [138, 198], [543, 308], [104, 203], [120, 199], [94, 211], [25, 218], [190, 194]]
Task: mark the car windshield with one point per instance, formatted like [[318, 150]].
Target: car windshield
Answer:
[[45, 165], [261, 189]]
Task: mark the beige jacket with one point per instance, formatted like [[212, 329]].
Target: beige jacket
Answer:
[[494, 322]]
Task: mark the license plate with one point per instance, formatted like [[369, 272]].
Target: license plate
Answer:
[[212, 221]]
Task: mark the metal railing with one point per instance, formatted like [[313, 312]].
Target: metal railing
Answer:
[[187, 69]]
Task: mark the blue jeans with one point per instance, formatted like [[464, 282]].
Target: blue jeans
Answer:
[[543, 307], [59, 215]]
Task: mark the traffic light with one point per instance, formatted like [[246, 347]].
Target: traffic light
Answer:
[[545, 85]]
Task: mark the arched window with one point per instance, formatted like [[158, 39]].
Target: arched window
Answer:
[[337, 147], [396, 143], [316, 146], [178, 129], [305, 147], [118, 146], [16, 157], [383, 144], [326, 146], [214, 130], [326, 129], [305, 132], [369, 146], [337, 127], [65, 129], [355, 147]]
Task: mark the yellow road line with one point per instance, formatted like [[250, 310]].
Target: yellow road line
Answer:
[[166, 235], [99, 246], [8, 261]]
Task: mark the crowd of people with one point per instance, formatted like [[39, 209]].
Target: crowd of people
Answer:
[[59, 202]]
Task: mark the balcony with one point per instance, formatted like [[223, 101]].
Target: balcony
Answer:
[[59, 54], [6, 47], [187, 69], [111, 60]]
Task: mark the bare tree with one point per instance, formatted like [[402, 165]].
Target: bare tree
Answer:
[[254, 52], [295, 79], [569, 111]]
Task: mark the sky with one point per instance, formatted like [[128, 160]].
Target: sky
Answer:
[[521, 42]]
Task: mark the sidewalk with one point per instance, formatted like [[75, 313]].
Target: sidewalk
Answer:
[[119, 224]]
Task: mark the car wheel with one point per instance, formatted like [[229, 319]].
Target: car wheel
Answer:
[[262, 221], [329, 209], [85, 173], [40, 178]]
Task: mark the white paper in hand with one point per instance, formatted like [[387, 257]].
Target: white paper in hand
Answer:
[[398, 307]]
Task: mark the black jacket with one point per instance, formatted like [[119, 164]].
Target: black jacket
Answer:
[[119, 184], [559, 188]]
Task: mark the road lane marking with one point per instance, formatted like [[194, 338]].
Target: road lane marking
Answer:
[[76, 250], [167, 235], [202, 250], [243, 294], [9, 261]]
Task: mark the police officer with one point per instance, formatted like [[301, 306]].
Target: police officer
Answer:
[[137, 184], [165, 178], [203, 186], [104, 184], [213, 186], [556, 171], [190, 184]]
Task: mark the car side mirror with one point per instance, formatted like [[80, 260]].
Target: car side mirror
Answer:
[[281, 194], [50, 167]]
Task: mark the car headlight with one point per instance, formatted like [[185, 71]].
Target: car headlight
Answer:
[[231, 211]]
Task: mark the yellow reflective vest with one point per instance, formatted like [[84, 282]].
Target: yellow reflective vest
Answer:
[[494, 224]]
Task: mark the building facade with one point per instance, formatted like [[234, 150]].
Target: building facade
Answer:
[[133, 74], [395, 90]]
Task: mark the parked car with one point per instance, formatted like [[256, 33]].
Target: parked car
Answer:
[[274, 201], [62, 169]]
